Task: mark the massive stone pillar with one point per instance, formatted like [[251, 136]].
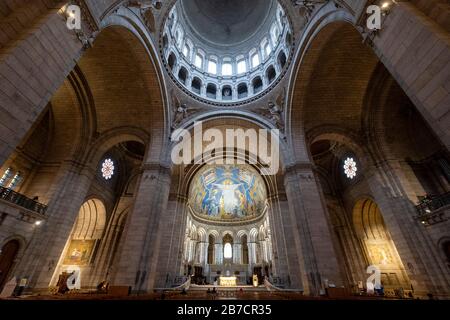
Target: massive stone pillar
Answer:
[[281, 231], [415, 50], [312, 241], [68, 194], [138, 264], [35, 57], [174, 243], [423, 265]]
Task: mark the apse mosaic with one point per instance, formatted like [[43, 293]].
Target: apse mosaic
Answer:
[[228, 192]]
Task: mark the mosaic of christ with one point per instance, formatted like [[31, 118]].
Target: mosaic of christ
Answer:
[[228, 192]]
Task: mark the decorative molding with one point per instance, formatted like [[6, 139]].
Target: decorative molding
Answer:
[[181, 111], [90, 27], [146, 9], [274, 112]]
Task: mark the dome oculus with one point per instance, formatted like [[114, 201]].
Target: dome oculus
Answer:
[[224, 55]]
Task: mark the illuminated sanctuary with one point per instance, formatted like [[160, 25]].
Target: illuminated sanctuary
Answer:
[[93, 95], [228, 230]]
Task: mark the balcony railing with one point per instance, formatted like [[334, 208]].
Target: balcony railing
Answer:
[[20, 200], [428, 209], [433, 203]]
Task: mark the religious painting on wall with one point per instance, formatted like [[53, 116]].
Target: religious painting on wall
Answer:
[[79, 252], [380, 254], [228, 192]]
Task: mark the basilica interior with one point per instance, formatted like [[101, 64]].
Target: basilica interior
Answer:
[[92, 201]]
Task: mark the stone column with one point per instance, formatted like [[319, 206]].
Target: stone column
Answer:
[[204, 253], [141, 240], [218, 250], [281, 230], [423, 77], [25, 91], [251, 253], [312, 236], [418, 253], [42, 255], [174, 241], [237, 249]]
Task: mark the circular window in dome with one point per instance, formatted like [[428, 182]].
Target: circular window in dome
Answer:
[[226, 52], [228, 193]]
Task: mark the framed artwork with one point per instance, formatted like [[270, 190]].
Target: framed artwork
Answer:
[[79, 252]]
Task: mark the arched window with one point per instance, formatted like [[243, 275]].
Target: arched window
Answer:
[[280, 17], [267, 50], [211, 91], [186, 51], [212, 66], [227, 69], [257, 85], [196, 85], [86, 233], [282, 59], [227, 246], [172, 20], [179, 37], [227, 93], [241, 66], [271, 74], [288, 39], [228, 251], [7, 257], [198, 61], [172, 61], [255, 60], [183, 75], [165, 42], [242, 91], [275, 33]]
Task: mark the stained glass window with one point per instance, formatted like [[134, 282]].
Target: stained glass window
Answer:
[[350, 168], [227, 251], [107, 169]]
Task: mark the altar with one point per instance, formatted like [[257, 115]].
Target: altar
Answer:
[[228, 281]]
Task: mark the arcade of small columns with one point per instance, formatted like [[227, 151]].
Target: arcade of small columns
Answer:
[[250, 244]]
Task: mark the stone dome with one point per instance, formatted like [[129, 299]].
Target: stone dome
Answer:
[[226, 52]]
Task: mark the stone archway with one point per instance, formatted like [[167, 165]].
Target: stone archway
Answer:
[[377, 246], [83, 242], [8, 255]]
